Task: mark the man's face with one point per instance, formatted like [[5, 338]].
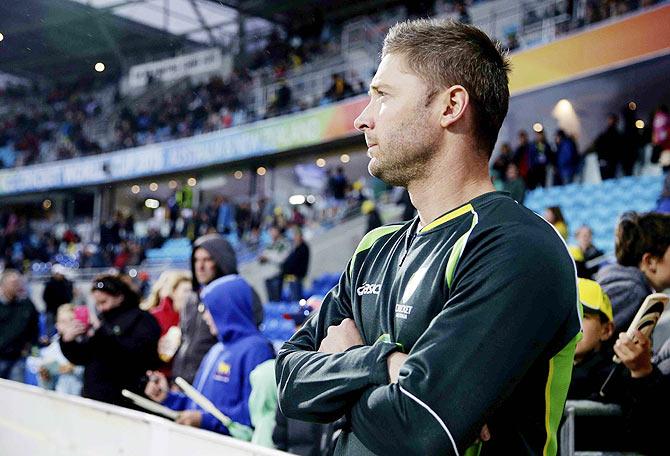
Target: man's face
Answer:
[[204, 265], [11, 286], [402, 134]]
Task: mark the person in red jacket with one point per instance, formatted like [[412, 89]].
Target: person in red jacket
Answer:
[[167, 297]]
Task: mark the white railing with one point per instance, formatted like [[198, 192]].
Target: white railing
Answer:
[[38, 422]]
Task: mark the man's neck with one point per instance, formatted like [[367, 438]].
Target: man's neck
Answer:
[[448, 186]]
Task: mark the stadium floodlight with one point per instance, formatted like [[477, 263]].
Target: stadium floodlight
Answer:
[[99, 67], [297, 200]]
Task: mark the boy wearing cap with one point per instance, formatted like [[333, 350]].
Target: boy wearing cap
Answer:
[[641, 389]]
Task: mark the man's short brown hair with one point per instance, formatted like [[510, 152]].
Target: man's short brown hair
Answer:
[[447, 53]]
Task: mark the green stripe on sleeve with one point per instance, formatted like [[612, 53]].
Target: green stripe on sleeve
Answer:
[[556, 392]]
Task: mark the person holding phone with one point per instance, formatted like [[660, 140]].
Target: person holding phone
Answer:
[[116, 351]]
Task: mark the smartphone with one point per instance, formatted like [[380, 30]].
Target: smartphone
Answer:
[[81, 314]]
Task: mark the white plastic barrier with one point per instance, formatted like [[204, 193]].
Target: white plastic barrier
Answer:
[[38, 422]]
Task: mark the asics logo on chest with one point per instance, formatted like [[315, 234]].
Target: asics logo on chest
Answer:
[[369, 289]]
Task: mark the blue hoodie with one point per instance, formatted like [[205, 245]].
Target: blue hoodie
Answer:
[[223, 375]]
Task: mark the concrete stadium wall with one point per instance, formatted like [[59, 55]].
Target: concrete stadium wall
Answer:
[[38, 422]]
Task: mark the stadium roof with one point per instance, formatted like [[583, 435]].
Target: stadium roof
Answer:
[[64, 39]]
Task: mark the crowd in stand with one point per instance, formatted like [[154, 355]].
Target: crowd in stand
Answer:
[[43, 126], [55, 125], [26, 242], [619, 147]]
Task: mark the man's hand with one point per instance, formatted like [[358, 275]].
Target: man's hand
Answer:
[[157, 386], [635, 354], [341, 337], [190, 418], [394, 361]]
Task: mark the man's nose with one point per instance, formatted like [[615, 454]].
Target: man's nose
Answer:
[[364, 120]]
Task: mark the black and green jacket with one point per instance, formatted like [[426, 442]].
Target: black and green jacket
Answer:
[[484, 302]]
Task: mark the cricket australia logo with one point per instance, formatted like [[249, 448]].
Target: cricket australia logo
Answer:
[[369, 289], [402, 311]]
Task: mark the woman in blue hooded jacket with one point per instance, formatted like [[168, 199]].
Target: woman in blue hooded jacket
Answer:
[[223, 375]]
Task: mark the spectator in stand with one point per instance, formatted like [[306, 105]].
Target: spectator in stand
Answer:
[[632, 142], [56, 372], [514, 184], [162, 301], [663, 205], [272, 258], [660, 136], [374, 220], [523, 157], [118, 349], [212, 258], [338, 187], [339, 89], [296, 265], [224, 373], [567, 158], [608, 147], [554, 215], [225, 217], [504, 158], [541, 155], [462, 11], [642, 248], [584, 252], [57, 291], [18, 326]]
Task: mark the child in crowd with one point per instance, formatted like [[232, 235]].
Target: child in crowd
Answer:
[[638, 385], [56, 372]]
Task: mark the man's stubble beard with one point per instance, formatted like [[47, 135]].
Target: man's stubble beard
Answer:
[[407, 153]]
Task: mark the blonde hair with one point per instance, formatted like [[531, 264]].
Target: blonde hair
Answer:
[[167, 280], [64, 308]]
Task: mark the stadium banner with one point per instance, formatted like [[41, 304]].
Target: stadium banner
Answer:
[[609, 45], [193, 64], [36, 422], [308, 128]]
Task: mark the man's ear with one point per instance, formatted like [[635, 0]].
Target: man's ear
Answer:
[[453, 102]]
